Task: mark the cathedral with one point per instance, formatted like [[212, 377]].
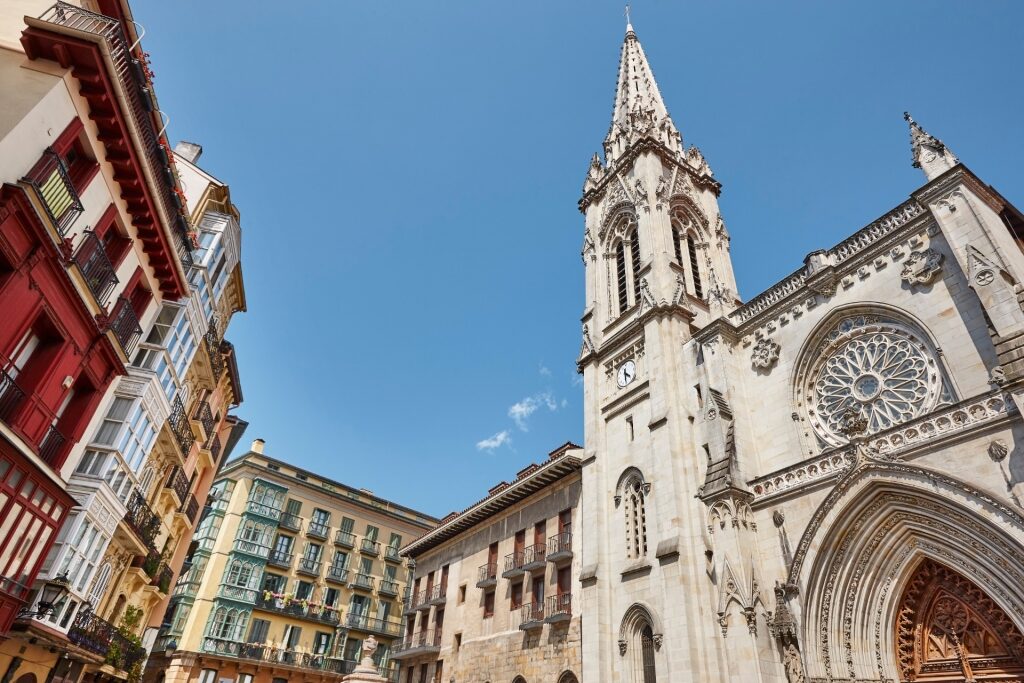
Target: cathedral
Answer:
[[819, 484]]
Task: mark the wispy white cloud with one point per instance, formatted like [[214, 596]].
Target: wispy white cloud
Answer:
[[502, 438], [521, 411], [544, 370]]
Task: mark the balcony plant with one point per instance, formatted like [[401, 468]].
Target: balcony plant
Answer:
[[115, 655]]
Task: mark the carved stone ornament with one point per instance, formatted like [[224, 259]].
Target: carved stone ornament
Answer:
[[765, 353], [779, 518], [998, 450], [622, 647], [658, 638], [793, 664], [997, 376], [985, 277], [853, 423], [921, 267]]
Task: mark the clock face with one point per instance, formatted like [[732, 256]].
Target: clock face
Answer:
[[627, 373]]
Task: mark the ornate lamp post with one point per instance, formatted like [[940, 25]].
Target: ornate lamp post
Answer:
[[51, 593]]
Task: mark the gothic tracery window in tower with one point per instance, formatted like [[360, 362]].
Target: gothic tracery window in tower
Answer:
[[636, 519], [695, 274], [634, 251], [620, 275], [677, 237]]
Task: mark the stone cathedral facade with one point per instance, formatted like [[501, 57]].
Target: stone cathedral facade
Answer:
[[822, 483]]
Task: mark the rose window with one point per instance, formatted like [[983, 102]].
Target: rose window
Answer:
[[874, 367]]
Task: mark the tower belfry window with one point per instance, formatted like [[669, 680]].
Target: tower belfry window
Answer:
[[620, 273], [676, 242], [636, 519], [691, 247], [634, 252]]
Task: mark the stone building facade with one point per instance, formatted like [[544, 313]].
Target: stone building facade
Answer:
[[492, 595], [822, 483]]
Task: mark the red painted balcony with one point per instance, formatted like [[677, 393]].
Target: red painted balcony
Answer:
[[95, 266]]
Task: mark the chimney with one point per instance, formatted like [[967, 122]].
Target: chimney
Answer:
[[257, 446], [189, 151]]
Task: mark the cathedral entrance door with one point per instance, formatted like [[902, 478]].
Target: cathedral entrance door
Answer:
[[949, 631]]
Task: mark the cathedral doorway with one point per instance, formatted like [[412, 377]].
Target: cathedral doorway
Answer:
[[949, 631], [647, 654]]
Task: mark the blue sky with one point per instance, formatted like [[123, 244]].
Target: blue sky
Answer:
[[408, 174]]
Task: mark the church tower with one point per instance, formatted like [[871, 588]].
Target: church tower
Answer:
[[663, 601]]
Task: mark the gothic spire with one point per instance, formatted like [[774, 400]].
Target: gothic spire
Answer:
[[928, 152], [639, 110]]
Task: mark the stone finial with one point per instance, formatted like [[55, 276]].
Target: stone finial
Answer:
[[927, 151]]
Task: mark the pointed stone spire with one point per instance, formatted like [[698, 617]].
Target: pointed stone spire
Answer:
[[928, 152], [639, 110]]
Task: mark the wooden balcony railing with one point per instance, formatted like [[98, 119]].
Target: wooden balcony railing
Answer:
[[91, 259], [52, 183], [125, 325]]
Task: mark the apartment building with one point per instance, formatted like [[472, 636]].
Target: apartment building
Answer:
[[289, 573], [492, 593]]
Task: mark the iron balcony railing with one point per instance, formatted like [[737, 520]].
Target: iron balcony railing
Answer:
[[317, 530], [438, 593], [141, 519], [298, 608], [204, 416], [514, 562], [213, 352], [179, 427], [337, 574], [559, 607], [52, 183], [215, 447], [532, 613], [178, 483], [191, 509], [163, 579], [290, 522], [363, 622], [51, 445], [487, 574], [129, 72], [388, 587], [534, 556], [370, 547], [417, 599], [92, 260], [345, 538], [125, 325], [280, 558], [560, 546], [364, 581], [11, 396], [391, 554], [99, 636], [422, 640], [273, 654], [309, 566]]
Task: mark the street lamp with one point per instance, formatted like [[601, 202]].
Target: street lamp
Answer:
[[51, 592]]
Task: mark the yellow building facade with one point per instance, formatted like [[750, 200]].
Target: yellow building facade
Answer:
[[288, 574]]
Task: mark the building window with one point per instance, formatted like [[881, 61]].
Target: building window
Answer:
[[275, 583], [633, 493], [488, 604], [634, 253], [677, 238], [303, 590], [620, 275], [517, 595], [258, 632], [695, 274], [82, 554], [208, 676], [321, 643]]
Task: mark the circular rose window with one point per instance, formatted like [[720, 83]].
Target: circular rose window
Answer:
[[874, 367]]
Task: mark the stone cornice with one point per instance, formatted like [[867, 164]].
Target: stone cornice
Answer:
[[841, 258], [646, 144], [939, 427]]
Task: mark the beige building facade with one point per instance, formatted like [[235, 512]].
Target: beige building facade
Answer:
[[822, 483], [287, 575], [492, 598]]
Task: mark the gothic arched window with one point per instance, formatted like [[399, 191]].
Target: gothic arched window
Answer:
[[677, 237], [695, 274], [634, 252], [620, 275], [631, 494]]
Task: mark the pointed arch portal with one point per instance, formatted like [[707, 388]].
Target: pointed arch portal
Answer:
[[949, 630]]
